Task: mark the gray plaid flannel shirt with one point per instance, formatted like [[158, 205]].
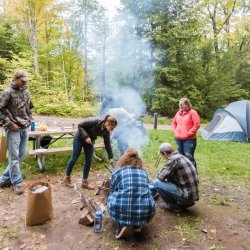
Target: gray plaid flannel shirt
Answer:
[[180, 171]]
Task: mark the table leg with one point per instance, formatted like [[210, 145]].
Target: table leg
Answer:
[[41, 162], [38, 142]]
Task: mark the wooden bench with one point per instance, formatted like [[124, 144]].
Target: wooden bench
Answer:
[[40, 156]]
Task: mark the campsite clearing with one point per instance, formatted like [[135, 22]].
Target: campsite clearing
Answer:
[[220, 220]]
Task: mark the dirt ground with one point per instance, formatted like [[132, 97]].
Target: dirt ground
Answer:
[[220, 220], [204, 226]]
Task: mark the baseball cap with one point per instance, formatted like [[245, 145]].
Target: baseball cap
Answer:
[[165, 147], [21, 75]]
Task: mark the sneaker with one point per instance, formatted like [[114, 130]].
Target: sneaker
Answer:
[[67, 181], [18, 189], [137, 229], [86, 185], [166, 207], [121, 232]]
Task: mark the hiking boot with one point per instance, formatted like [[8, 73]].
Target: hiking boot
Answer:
[[18, 189], [121, 232], [166, 207], [5, 184], [137, 229], [67, 181], [86, 185]]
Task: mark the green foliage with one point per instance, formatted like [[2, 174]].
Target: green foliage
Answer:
[[188, 62], [63, 108]]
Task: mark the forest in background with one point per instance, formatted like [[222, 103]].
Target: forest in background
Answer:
[[75, 53]]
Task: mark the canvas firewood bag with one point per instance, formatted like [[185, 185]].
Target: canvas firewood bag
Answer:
[[39, 206]]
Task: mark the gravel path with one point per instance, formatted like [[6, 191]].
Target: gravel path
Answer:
[[56, 121]]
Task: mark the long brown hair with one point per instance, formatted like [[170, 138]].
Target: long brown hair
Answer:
[[110, 120], [130, 158]]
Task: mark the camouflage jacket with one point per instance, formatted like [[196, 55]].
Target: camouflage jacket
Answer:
[[15, 107]]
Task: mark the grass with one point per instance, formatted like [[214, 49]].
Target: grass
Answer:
[[9, 232], [161, 120], [219, 200], [219, 162], [223, 163], [187, 228]]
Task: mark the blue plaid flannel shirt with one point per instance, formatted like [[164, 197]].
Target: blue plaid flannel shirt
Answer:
[[130, 201]]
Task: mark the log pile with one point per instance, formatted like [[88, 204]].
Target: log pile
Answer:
[[90, 206]]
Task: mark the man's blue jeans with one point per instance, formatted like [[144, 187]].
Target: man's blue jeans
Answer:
[[16, 143], [170, 194], [77, 149], [187, 148]]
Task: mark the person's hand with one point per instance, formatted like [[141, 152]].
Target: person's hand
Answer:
[[88, 140], [14, 127]]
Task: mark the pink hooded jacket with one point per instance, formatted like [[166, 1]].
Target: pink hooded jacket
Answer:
[[185, 124]]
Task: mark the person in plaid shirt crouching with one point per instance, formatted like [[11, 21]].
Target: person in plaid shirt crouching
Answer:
[[130, 203], [177, 183]]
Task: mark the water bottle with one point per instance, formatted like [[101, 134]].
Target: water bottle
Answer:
[[98, 221], [33, 126]]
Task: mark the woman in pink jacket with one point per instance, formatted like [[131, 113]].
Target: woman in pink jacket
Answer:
[[185, 125]]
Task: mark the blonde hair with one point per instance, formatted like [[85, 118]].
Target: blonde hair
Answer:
[[130, 158], [186, 102]]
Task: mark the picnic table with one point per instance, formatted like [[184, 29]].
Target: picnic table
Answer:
[[59, 133]]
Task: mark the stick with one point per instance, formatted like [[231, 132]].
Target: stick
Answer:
[[157, 161], [108, 167]]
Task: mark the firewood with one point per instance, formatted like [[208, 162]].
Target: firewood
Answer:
[[86, 218]]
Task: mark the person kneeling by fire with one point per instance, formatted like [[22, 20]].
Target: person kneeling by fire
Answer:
[[130, 203], [177, 183]]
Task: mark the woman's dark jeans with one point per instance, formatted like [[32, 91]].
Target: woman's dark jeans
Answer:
[[77, 149], [187, 148]]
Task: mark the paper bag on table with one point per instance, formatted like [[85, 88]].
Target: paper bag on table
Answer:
[[39, 207]]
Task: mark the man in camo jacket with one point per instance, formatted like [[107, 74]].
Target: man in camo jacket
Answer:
[[15, 116]]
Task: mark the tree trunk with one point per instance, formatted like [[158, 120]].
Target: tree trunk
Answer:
[[104, 68], [33, 43], [85, 90]]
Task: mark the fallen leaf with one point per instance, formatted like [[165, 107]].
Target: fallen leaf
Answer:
[[134, 247], [22, 246], [117, 248], [5, 218], [213, 231], [1, 190], [43, 236], [37, 242], [204, 231]]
